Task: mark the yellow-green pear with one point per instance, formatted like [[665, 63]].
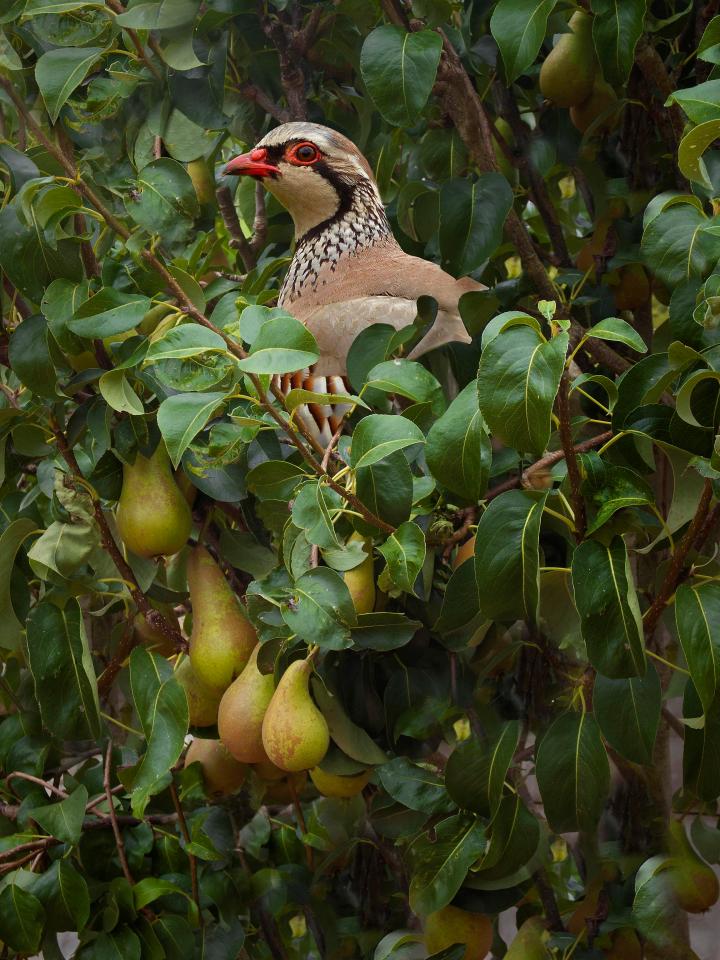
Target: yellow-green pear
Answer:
[[242, 710], [567, 74], [598, 111], [360, 580], [694, 882], [529, 942], [222, 773], [222, 637], [453, 925], [153, 517], [294, 732], [334, 785], [203, 701]]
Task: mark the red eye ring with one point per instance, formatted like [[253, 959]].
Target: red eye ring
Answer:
[[303, 154]]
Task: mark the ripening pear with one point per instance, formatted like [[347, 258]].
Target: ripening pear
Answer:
[[222, 637], [361, 579], [242, 710], [567, 74], [598, 106], [151, 636], [529, 942], [222, 773], [694, 882], [334, 785], [294, 732], [453, 925], [465, 551], [203, 701], [286, 789], [153, 517]]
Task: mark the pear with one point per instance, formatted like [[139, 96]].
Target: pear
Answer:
[[598, 105], [203, 180], [285, 790], [153, 517], [268, 772], [222, 773], [203, 701], [361, 579], [222, 637], [465, 551], [294, 732], [242, 709], [567, 74], [505, 167], [453, 925], [529, 942], [694, 882], [333, 785], [151, 636]]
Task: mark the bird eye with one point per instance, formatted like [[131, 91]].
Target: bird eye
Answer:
[[304, 153]]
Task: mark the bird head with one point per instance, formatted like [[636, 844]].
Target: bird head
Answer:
[[312, 170]]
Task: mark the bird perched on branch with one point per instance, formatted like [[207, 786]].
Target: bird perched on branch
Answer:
[[348, 271]]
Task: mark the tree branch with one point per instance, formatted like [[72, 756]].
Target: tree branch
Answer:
[[119, 842], [182, 822], [576, 498]]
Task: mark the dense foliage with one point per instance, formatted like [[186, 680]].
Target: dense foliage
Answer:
[[514, 702]]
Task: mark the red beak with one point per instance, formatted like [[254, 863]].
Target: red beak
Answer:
[[252, 164]]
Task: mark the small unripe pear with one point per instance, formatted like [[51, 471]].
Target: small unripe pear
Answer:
[[332, 785], [222, 773], [294, 732], [222, 637], [203, 701], [242, 710], [453, 925], [361, 579], [566, 76], [153, 518], [529, 942]]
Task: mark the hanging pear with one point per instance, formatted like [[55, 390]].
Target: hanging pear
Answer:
[[336, 785], [567, 74], [360, 580], [153, 517], [222, 773], [453, 925], [693, 880], [242, 709], [222, 637], [294, 732], [203, 701]]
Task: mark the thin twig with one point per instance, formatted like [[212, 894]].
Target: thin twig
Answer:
[[20, 775], [182, 822], [230, 218], [119, 842], [573, 471]]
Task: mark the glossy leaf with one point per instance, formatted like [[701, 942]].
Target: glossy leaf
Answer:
[[21, 919], [320, 609], [697, 615], [399, 71], [518, 27], [282, 346], [616, 29], [458, 448], [476, 771], [471, 220], [379, 435], [414, 786], [628, 713], [64, 820], [59, 72], [440, 865], [182, 417], [11, 540], [404, 551], [108, 312]]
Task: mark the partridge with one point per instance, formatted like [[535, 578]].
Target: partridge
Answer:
[[348, 271]]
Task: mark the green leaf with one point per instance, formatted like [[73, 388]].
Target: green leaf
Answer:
[[283, 345], [692, 147], [187, 340], [11, 540], [37, 8], [59, 72], [182, 416], [162, 710], [614, 328], [674, 246], [472, 215], [64, 894], [352, 739], [697, 615], [518, 27], [109, 312], [116, 389], [407, 379], [298, 397], [416, 787], [159, 15], [64, 820], [609, 611], [507, 558], [701, 748], [476, 771], [21, 919], [9, 60], [59, 659], [573, 773], [458, 450], [311, 512], [628, 713], [616, 29], [701, 102], [164, 201], [385, 630], [29, 260], [512, 844], [609, 488], [399, 69], [29, 355], [404, 551], [439, 863], [518, 380], [379, 435], [320, 609], [386, 488]]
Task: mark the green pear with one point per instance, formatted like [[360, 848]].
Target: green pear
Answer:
[[222, 636], [694, 882], [453, 925], [360, 580], [529, 942], [203, 701], [294, 732], [600, 106], [242, 709], [153, 517], [567, 74], [222, 773]]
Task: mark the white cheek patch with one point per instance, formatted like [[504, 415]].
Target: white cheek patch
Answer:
[[306, 194]]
